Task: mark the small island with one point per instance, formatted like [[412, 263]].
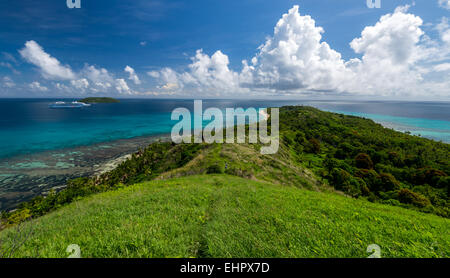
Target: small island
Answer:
[[99, 100]]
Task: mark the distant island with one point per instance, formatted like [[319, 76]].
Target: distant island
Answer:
[[99, 100]]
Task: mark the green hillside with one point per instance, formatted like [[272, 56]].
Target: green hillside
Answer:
[[228, 216]]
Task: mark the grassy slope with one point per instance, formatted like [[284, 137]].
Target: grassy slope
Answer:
[[228, 216], [246, 160]]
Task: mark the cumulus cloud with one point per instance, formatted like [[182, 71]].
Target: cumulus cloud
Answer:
[[122, 87], [390, 52], [89, 79], [101, 79], [49, 66], [133, 76], [207, 74], [295, 58], [36, 86], [80, 84]]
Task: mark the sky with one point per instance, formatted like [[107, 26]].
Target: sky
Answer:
[[226, 49]]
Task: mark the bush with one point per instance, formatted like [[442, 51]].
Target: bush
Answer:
[[18, 217], [387, 182], [409, 197], [215, 169], [313, 146], [363, 161], [370, 177], [429, 176], [340, 178]]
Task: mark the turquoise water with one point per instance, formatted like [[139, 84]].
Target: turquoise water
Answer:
[[434, 129], [58, 135]]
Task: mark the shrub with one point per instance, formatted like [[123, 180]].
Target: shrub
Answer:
[[387, 182], [340, 178], [19, 216], [313, 146], [409, 197], [430, 176], [215, 169], [363, 161], [370, 177]]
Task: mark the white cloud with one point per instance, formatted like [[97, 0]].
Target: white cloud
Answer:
[[90, 78], [390, 52], [170, 86], [101, 79], [49, 66], [154, 74], [393, 38], [63, 88], [122, 87], [295, 58], [8, 82], [445, 4], [397, 59], [442, 67], [143, 43], [207, 75], [210, 73], [403, 9], [133, 75], [444, 30], [36, 86], [80, 84]]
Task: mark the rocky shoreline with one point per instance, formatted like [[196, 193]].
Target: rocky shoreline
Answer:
[[26, 176]]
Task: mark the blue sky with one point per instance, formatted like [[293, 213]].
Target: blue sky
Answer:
[[149, 36]]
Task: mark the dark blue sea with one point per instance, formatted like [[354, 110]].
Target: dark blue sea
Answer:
[[41, 148]]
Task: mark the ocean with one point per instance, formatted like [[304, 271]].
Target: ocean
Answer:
[[40, 148]]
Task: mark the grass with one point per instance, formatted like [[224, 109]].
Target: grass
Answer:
[[245, 160], [228, 216]]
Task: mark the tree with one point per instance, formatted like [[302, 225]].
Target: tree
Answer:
[[409, 197], [363, 161], [313, 146], [388, 182], [330, 163]]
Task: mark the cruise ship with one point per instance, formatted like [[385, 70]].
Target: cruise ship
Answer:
[[74, 104]]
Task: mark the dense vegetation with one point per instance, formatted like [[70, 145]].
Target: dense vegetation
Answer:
[[99, 100], [227, 216], [364, 159]]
